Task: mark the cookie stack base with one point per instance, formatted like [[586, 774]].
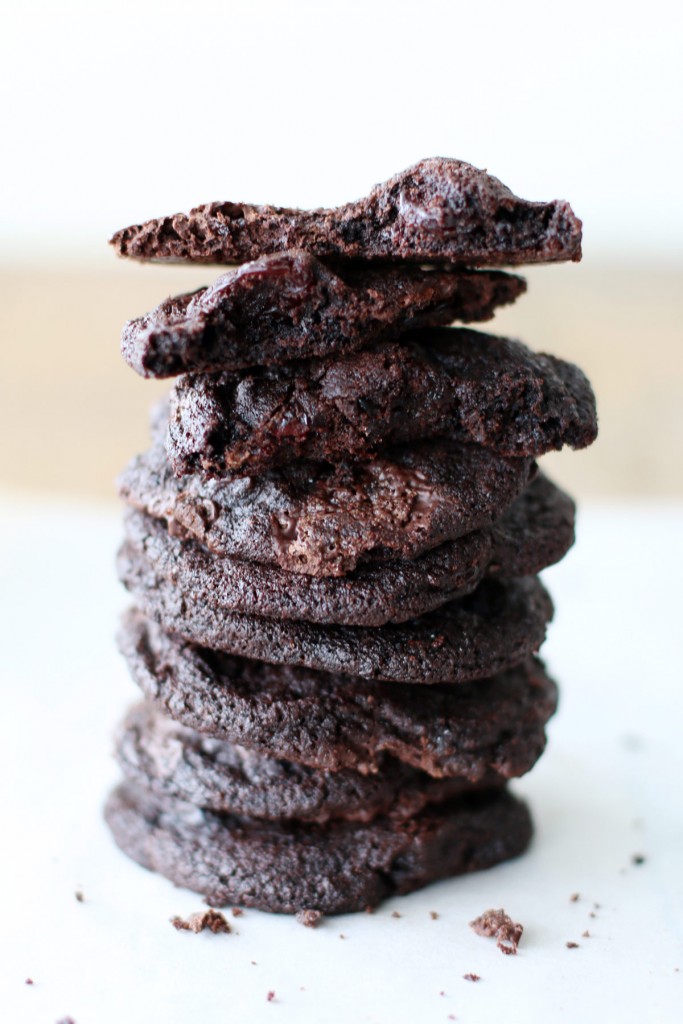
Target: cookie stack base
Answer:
[[334, 868]]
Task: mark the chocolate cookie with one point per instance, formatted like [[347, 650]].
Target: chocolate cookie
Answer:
[[456, 383], [440, 210], [156, 752], [536, 531], [323, 521], [372, 595], [292, 306], [493, 628], [334, 868], [336, 722]]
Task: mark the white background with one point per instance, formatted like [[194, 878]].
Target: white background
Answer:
[[115, 112]]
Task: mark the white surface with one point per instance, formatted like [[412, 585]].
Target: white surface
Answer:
[[131, 109], [608, 787]]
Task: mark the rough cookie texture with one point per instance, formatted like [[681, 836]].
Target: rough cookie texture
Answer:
[[341, 866], [171, 760], [291, 306], [536, 531], [461, 384], [493, 628], [374, 594], [440, 210], [336, 722], [322, 520]]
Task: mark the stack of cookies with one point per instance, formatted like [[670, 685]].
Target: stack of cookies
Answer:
[[333, 544]]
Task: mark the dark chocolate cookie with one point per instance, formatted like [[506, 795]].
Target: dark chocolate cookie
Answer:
[[158, 753], [373, 594], [536, 531], [493, 628], [291, 306], [335, 722], [456, 383], [337, 867], [440, 210], [323, 521]]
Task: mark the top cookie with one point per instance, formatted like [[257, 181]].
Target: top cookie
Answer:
[[440, 210], [291, 306]]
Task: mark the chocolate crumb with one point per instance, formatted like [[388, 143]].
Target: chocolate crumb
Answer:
[[499, 925], [79, 896], [574, 898], [471, 977], [433, 914], [254, 963], [442, 993], [592, 914], [211, 919], [596, 906], [638, 859], [572, 945], [309, 918], [270, 996], [395, 913], [341, 935], [369, 910], [29, 981], [237, 912], [586, 934], [451, 1016], [66, 1020]]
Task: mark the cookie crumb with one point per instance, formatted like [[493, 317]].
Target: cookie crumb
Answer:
[[237, 912], [369, 909], [574, 898], [638, 859], [79, 896], [341, 935], [471, 977], [211, 919], [270, 996], [592, 914], [254, 963], [586, 934], [500, 926], [597, 906], [451, 1016], [395, 913], [66, 1020], [309, 918], [434, 916], [29, 981], [572, 945]]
